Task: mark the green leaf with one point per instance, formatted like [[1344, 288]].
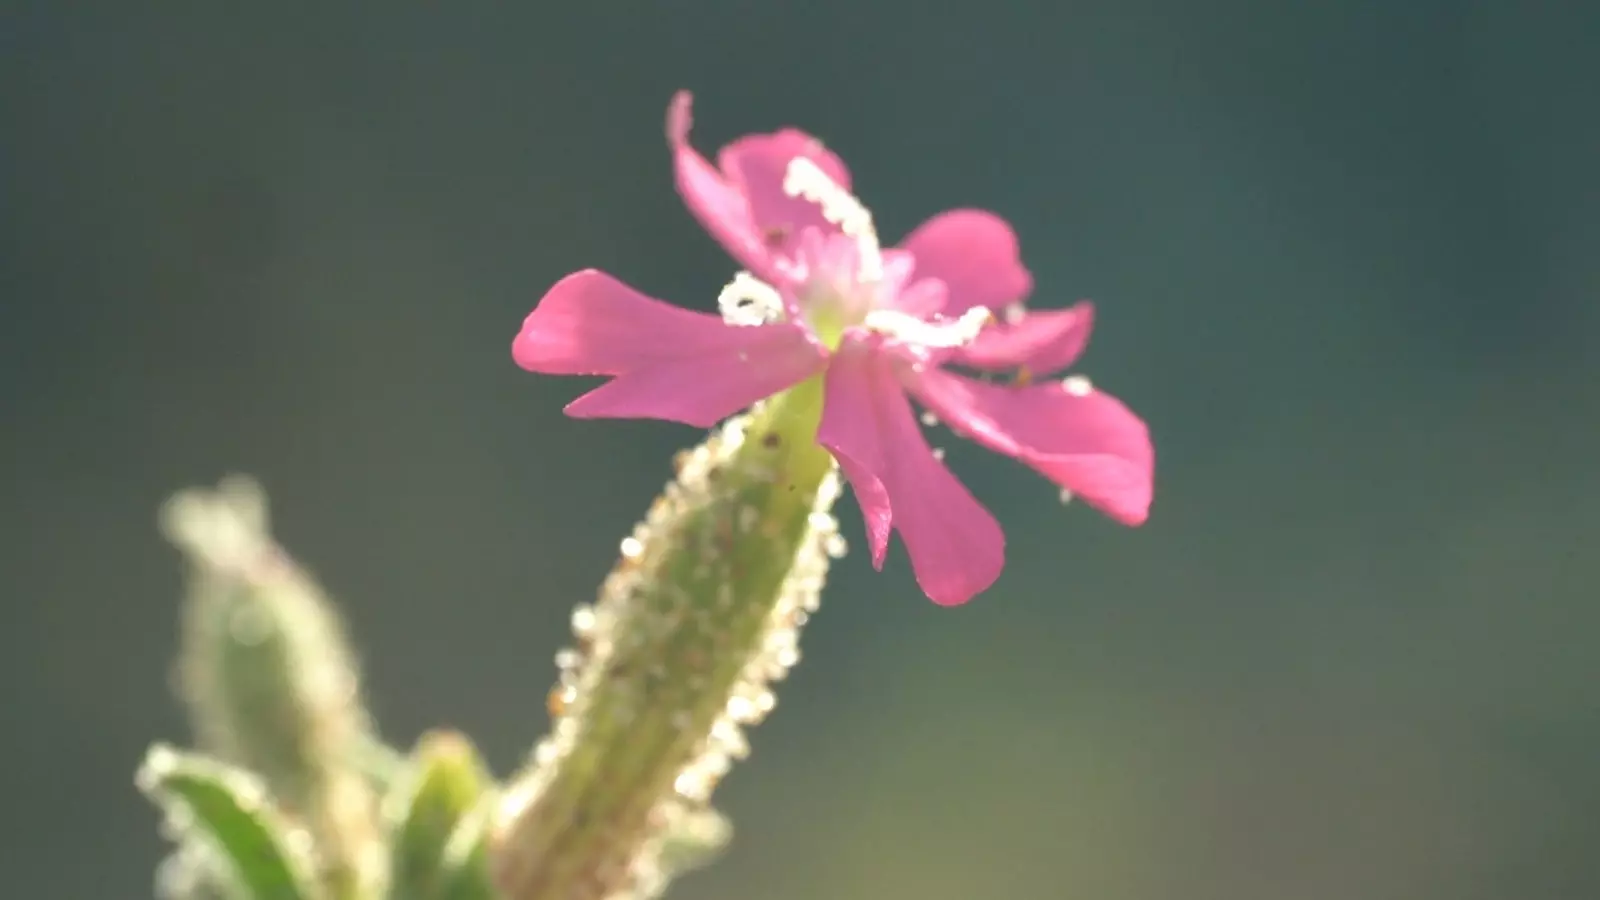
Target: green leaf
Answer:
[[227, 811], [447, 779], [464, 871]]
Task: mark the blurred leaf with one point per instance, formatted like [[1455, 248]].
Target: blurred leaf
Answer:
[[446, 780], [227, 811], [464, 870]]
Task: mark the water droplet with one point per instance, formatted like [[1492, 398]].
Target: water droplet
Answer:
[[691, 784], [730, 738], [1066, 496], [740, 709], [583, 622]]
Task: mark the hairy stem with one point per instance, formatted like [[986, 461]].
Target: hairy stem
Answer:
[[698, 618]]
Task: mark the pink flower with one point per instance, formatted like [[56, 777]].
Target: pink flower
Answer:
[[819, 297]]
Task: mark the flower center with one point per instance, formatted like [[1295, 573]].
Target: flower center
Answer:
[[840, 279]]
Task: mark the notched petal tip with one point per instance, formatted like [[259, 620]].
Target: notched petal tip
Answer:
[[553, 339], [953, 578], [1087, 442], [1121, 486], [667, 362]]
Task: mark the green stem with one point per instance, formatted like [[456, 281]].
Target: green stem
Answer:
[[700, 615], [270, 679]]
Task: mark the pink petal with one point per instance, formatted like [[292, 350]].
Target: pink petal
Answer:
[[756, 166], [1043, 342], [956, 546], [923, 298], [669, 363], [1091, 445], [975, 253], [784, 144], [743, 205], [720, 207]]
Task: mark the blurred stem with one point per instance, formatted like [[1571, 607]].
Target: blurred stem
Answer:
[[700, 614], [270, 679]]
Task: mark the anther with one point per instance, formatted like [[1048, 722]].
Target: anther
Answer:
[[747, 300], [806, 180]]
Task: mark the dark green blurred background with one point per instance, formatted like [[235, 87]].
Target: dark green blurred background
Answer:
[[1345, 260]]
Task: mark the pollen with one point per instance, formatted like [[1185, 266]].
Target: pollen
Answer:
[[914, 331], [805, 180], [747, 300], [1077, 385]]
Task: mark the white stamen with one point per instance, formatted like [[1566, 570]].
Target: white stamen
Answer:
[[747, 300], [806, 180], [912, 330], [1014, 313], [1066, 496], [929, 419], [1077, 385]]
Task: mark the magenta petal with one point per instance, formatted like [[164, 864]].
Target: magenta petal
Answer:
[[669, 363], [849, 429], [1043, 342], [975, 253], [754, 153], [719, 206], [756, 166], [1091, 445], [956, 546]]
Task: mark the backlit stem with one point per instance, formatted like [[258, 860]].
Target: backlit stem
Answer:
[[697, 620]]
